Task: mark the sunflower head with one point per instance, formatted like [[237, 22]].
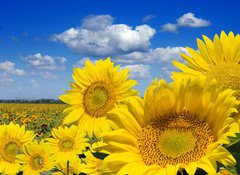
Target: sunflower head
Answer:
[[36, 158], [67, 143], [12, 138], [181, 125], [96, 90], [218, 58]]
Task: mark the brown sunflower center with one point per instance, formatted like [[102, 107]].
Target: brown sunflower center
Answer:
[[66, 144], [174, 139], [10, 151], [98, 99], [227, 76], [36, 162]]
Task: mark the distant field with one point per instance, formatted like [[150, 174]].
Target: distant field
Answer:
[[40, 118]]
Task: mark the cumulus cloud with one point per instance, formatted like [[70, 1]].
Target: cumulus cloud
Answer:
[[46, 62], [81, 62], [98, 36], [170, 28], [139, 71], [186, 20], [148, 18], [158, 55], [161, 56], [8, 67], [189, 20]]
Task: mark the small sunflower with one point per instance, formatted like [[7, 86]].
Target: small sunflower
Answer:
[[98, 88], [225, 172], [12, 138], [36, 158], [92, 165], [75, 167], [67, 143], [181, 125], [219, 59]]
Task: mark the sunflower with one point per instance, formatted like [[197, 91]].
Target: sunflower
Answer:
[[98, 88], [36, 158], [93, 165], [67, 143], [225, 172], [75, 167], [12, 138], [219, 59], [178, 126]]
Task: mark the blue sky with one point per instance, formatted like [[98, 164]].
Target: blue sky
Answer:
[[41, 41]]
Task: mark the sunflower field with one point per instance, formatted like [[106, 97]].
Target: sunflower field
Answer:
[[188, 126]]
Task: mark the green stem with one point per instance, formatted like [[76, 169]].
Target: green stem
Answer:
[[68, 168]]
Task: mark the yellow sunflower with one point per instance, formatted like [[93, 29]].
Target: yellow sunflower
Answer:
[[75, 167], [93, 165], [12, 138], [98, 88], [225, 172], [219, 59], [67, 143], [36, 158], [178, 126]]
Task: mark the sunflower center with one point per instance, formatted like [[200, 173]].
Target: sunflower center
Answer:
[[227, 76], [175, 143], [36, 162], [10, 151], [66, 144], [174, 139], [98, 99]]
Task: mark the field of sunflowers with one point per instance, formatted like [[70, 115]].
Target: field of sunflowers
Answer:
[[40, 118], [188, 126]]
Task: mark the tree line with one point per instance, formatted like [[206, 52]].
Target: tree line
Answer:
[[38, 101]]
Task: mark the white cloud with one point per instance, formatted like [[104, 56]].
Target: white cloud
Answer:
[[148, 18], [189, 20], [81, 62], [157, 55], [46, 62], [62, 60], [35, 84], [139, 71], [170, 28], [98, 36], [9, 68], [49, 76], [186, 20]]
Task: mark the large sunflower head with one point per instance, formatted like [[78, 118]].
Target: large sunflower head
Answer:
[[12, 138], [36, 158], [219, 59], [181, 125], [67, 143], [98, 88]]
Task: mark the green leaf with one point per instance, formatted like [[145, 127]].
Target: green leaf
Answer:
[[234, 140], [235, 151]]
